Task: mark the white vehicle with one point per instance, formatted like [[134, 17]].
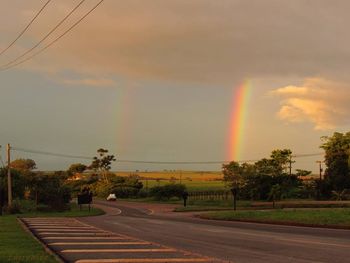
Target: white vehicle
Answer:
[[111, 197]]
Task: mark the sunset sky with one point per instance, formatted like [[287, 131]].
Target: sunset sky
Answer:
[[155, 80]]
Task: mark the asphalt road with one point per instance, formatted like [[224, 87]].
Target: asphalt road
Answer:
[[229, 241]]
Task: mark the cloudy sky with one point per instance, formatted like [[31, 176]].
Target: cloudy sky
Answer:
[[154, 80]]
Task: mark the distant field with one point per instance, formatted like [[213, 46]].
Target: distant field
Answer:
[[194, 181]]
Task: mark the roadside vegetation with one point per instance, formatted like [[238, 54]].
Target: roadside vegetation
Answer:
[[18, 246], [313, 217]]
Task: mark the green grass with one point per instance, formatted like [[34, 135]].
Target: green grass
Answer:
[[16, 245], [190, 185], [316, 217], [211, 205]]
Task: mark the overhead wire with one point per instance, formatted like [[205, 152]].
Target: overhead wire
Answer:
[[45, 37], [147, 162], [54, 41], [25, 28], [50, 153]]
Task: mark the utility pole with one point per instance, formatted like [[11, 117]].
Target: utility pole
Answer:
[[290, 166], [9, 179], [321, 170], [1, 191]]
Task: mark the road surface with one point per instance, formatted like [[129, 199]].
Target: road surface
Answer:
[[228, 241]]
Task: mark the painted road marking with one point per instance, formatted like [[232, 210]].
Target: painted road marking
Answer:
[[61, 227], [77, 233], [151, 212], [86, 238], [142, 260], [64, 230], [119, 250], [98, 243], [64, 234]]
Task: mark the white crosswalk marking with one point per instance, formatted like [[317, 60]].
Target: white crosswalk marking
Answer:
[[78, 242]]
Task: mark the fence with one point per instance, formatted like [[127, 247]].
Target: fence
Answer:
[[210, 195]]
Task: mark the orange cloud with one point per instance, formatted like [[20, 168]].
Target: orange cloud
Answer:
[[321, 102]]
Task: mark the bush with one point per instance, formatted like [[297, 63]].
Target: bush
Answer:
[[143, 193], [15, 208], [167, 191], [50, 190]]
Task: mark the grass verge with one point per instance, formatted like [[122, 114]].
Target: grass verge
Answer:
[[339, 218], [16, 245]]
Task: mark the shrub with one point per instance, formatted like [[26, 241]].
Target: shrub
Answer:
[[15, 208], [167, 191]]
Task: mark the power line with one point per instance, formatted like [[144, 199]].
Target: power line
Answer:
[[26, 28], [45, 37], [51, 153], [54, 41], [147, 162]]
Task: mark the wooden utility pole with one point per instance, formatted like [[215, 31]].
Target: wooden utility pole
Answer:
[[9, 179], [1, 192], [321, 170]]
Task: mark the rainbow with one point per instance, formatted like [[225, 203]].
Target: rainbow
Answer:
[[238, 119]]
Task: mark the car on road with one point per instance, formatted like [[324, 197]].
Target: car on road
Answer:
[[111, 197]]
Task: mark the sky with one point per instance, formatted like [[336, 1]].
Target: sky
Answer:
[[155, 80]]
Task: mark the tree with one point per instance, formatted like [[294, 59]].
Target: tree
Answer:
[[282, 160], [102, 163], [23, 165], [233, 175], [76, 168], [302, 173], [337, 160]]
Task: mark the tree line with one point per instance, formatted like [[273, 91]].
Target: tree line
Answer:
[[272, 178]]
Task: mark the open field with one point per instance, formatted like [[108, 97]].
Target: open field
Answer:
[[313, 217], [194, 181]]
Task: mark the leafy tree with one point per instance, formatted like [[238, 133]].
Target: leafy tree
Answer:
[[49, 190], [337, 159], [282, 160], [23, 165], [233, 174], [256, 180], [102, 163], [18, 183], [76, 168], [302, 173]]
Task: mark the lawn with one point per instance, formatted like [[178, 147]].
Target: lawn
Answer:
[[313, 217], [16, 245]]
